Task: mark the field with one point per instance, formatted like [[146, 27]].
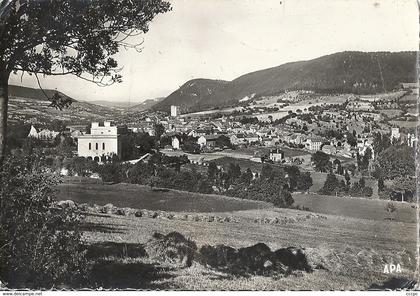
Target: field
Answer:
[[318, 179], [352, 239], [354, 207], [144, 197], [391, 113], [404, 124]]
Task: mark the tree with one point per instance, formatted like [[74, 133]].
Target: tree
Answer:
[[81, 166], [405, 188], [294, 176], [364, 161], [77, 37], [362, 182], [159, 130], [223, 142], [331, 185], [381, 142], [305, 181], [246, 177], [191, 146], [233, 173], [321, 161], [381, 185], [347, 177], [339, 168], [212, 171], [66, 147], [40, 246], [397, 161], [390, 208], [351, 139]]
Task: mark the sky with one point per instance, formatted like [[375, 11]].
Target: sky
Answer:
[[224, 39]]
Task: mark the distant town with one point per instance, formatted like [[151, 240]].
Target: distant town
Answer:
[[298, 128]]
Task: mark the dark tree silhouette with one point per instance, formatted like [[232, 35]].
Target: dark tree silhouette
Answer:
[[60, 37]]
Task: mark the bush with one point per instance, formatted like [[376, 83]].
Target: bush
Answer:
[[39, 244]]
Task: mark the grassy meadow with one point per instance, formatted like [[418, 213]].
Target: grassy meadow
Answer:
[[351, 238]]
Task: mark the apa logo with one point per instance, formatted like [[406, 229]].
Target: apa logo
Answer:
[[391, 268]]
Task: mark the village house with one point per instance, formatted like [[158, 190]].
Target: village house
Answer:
[[102, 143], [76, 130], [269, 142], [329, 149], [395, 133], [360, 106], [252, 138], [314, 143], [175, 143], [44, 134], [413, 86], [207, 140], [238, 139], [276, 155], [411, 140]]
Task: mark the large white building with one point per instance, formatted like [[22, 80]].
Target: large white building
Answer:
[[395, 133], [174, 111], [101, 144]]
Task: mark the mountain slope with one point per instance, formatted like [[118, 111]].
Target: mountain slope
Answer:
[[350, 72], [193, 93], [145, 105], [34, 93], [30, 105]]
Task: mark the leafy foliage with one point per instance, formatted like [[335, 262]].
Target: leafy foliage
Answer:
[[321, 161], [40, 246], [397, 161], [72, 36]]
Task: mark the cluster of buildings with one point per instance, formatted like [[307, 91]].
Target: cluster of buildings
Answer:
[[309, 131], [44, 134]]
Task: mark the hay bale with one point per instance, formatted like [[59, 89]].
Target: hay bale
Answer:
[[130, 211], [153, 214], [138, 214], [293, 258], [120, 212], [219, 256], [173, 248], [66, 204], [253, 259], [184, 217], [219, 219], [108, 209], [95, 208]]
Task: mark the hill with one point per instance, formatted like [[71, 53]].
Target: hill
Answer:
[[344, 72], [30, 105], [128, 106], [33, 93], [194, 94], [112, 104], [145, 105]]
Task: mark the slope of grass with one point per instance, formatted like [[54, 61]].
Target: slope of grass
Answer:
[[352, 251], [362, 208], [144, 197]]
